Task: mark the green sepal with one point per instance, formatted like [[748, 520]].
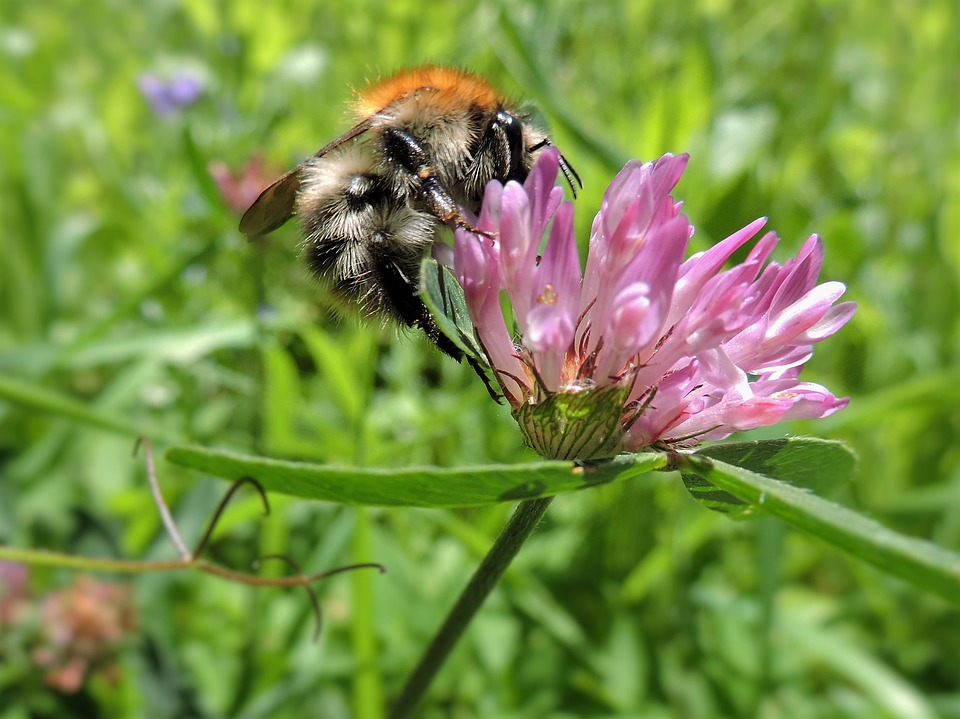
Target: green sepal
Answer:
[[444, 298], [583, 424]]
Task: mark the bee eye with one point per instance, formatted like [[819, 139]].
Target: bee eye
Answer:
[[512, 134]]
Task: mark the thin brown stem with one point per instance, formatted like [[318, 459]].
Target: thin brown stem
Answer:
[[211, 525]]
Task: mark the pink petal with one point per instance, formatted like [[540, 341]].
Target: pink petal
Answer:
[[800, 275], [558, 273], [805, 312], [833, 320], [540, 187], [695, 272]]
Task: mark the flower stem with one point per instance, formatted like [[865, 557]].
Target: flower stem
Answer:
[[367, 688], [514, 534]]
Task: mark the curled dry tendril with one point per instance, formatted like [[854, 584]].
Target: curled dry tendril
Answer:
[[194, 559]]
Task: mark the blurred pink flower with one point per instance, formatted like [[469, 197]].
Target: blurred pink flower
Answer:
[[13, 591], [240, 188], [83, 629], [643, 347]]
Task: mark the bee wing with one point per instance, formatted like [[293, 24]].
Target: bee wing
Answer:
[[277, 203], [273, 207]]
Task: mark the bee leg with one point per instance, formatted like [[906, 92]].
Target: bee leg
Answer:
[[494, 395], [405, 150], [405, 301], [437, 201], [402, 294], [459, 221]]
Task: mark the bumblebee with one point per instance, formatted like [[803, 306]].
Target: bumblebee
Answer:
[[371, 202]]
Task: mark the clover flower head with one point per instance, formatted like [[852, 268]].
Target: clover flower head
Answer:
[[642, 347]]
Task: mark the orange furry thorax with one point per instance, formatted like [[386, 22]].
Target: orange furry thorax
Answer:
[[453, 89]]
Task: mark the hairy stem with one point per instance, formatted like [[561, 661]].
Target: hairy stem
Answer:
[[514, 534]]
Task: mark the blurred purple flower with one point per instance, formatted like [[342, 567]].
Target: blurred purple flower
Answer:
[[168, 96], [643, 348]]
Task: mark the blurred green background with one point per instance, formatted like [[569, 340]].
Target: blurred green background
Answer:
[[125, 285]]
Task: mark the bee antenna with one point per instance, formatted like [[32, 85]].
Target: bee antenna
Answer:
[[568, 170], [570, 173]]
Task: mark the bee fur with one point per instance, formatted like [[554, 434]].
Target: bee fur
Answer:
[[372, 202]]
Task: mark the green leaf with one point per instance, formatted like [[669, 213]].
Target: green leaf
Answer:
[[416, 486], [443, 296], [924, 564], [40, 398], [816, 464], [179, 346], [198, 165]]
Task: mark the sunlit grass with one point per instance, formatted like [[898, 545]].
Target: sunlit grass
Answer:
[[125, 286]]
